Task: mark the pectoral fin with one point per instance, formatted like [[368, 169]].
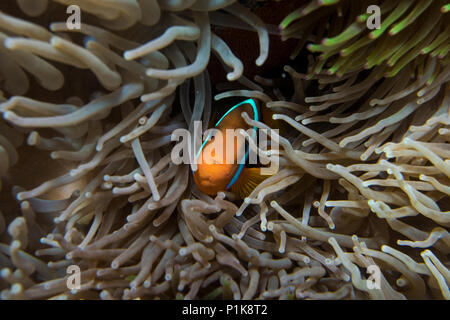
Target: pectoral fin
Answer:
[[249, 179]]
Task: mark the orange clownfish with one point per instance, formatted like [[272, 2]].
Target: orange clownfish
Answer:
[[213, 173]]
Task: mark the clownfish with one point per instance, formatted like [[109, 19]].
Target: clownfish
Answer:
[[213, 174]]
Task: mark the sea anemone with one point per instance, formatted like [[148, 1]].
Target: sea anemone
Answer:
[[87, 134]]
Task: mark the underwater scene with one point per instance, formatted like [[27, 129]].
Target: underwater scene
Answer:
[[224, 149]]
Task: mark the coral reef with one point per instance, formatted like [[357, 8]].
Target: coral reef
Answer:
[[88, 178]]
